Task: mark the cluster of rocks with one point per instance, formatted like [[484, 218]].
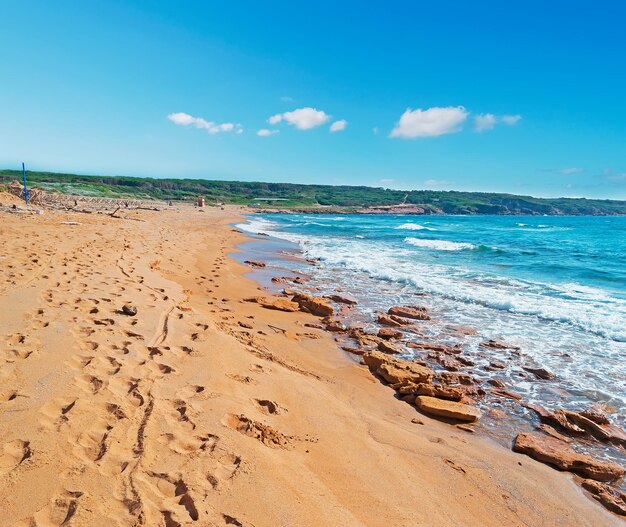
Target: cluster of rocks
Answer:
[[451, 395]]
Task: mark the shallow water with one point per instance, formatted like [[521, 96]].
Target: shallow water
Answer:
[[553, 286]]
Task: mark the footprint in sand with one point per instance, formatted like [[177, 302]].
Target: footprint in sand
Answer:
[[14, 453], [57, 413], [59, 511]]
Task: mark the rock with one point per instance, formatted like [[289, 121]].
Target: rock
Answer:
[[596, 416], [334, 326], [279, 304], [497, 365], [447, 409], [456, 378], [413, 312], [498, 345], [507, 394], [559, 454], [129, 309], [252, 263], [314, 326], [432, 390], [496, 382], [388, 347], [278, 280], [388, 321], [344, 299], [556, 418], [611, 497], [547, 429], [466, 428], [540, 373], [388, 333], [607, 433], [353, 350], [431, 346], [397, 371], [315, 306]]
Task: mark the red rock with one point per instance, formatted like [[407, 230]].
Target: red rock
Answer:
[[395, 370], [507, 394], [498, 345], [354, 351], [388, 321], [413, 312], [559, 454], [496, 382], [280, 304], [541, 373], [315, 306], [608, 433], [333, 325], [388, 347], [388, 333], [596, 416], [435, 347], [344, 299], [447, 409], [611, 497], [252, 263]]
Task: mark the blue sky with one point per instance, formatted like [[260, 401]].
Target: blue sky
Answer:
[[182, 89]]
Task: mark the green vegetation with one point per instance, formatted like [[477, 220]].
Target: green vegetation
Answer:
[[313, 197]]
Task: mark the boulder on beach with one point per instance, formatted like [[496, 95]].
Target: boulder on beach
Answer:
[[315, 306], [387, 347], [412, 312], [395, 370], [252, 263], [611, 497], [561, 455], [280, 304], [540, 373], [389, 333], [344, 299], [448, 409]]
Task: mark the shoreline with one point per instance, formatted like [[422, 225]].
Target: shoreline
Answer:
[[205, 408]]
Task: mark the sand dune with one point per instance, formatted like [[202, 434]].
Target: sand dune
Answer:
[[203, 409]]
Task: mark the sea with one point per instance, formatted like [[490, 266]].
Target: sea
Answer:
[[552, 286]]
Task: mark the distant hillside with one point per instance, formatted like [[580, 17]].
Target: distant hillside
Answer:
[[316, 197]]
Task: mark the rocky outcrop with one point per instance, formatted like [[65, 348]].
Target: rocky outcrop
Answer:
[[559, 454], [447, 409], [431, 346], [252, 263], [579, 424], [280, 304], [344, 299], [540, 373], [396, 371], [388, 347], [315, 306], [412, 312], [389, 333], [612, 498]]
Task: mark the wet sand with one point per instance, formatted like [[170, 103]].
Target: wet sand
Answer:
[[204, 409]]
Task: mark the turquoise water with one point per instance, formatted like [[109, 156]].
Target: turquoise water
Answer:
[[554, 286]]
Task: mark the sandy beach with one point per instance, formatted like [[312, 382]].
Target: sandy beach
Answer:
[[204, 409]]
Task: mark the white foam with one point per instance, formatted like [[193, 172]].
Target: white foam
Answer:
[[439, 245], [257, 225], [414, 227]]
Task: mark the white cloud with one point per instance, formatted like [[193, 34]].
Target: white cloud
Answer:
[[302, 118], [488, 121], [184, 119], [387, 180], [264, 132], [511, 119], [484, 121], [430, 123], [339, 126], [436, 183], [573, 170]]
